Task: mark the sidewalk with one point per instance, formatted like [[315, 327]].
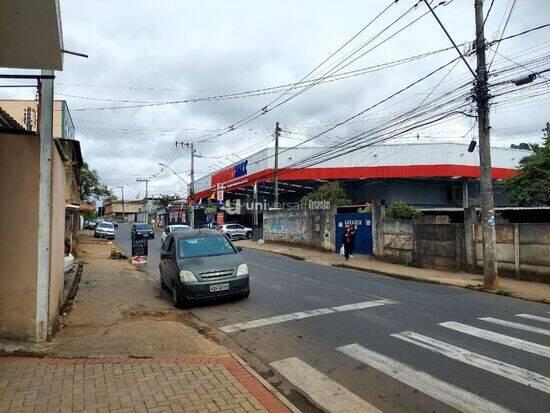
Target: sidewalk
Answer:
[[125, 348], [526, 290]]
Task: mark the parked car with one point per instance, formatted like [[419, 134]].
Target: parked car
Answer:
[[114, 222], [233, 231], [140, 230], [104, 230], [173, 228], [90, 224], [202, 264]]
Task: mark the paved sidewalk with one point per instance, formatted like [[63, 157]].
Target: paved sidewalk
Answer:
[[179, 384], [527, 290], [123, 348]]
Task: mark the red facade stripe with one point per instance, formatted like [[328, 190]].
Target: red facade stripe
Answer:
[[363, 172]]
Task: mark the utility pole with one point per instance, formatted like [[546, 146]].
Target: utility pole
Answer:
[[490, 270], [146, 180], [123, 216], [276, 169], [191, 209], [547, 133]]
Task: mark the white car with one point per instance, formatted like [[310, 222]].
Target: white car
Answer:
[[233, 231], [104, 230], [173, 228]]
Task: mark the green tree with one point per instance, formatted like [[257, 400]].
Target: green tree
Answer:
[[402, 210], [531, 186], [331, 191], [91, 187], [165, 199]]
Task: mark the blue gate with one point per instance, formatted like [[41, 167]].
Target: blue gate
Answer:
[[363, 227]]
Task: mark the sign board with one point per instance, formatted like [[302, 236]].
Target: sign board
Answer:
[[219, 192], [219, 218], [139, 250]]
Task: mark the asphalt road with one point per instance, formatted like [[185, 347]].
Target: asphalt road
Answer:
[[381, 338]]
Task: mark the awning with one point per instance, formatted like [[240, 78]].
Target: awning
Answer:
[[31, 34]]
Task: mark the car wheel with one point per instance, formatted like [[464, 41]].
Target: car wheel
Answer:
[[163, 285], [179, 302], [249, 235]]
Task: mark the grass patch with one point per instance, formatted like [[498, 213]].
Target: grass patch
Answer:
[[504, 293]]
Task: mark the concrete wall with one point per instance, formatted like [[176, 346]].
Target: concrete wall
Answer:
[[57, 237], [523, 250], [440, 246], [19, 169], [314, 228], [397, 241]]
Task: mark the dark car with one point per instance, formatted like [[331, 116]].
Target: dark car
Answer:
[[90, 224], [202, 264], [142, 231], [114, 222]]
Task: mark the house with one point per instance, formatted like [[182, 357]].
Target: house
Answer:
[[128, 211]]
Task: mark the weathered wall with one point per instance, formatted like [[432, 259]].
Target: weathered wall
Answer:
[[397, 241], [440, 246], [57, 237], [19, 169], [314, 228], [523, 250]]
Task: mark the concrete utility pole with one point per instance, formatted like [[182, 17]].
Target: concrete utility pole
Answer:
[[547, 132], [490, 270], [191, 208], [146, 195], [45, 130], [276, 166], [123, 216]]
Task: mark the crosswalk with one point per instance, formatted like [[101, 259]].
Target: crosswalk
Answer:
[[423, 380]]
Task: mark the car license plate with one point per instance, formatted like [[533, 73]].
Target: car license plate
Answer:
[[219, 287]]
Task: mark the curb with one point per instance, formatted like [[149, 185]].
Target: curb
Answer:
[[266, 384]]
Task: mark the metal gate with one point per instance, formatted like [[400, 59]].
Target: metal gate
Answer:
[[363, 227]]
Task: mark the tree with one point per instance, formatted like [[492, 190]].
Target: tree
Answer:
[[165, 199], [331, 191], [531, 186], [91, 187], [402, 210], [523, 145]]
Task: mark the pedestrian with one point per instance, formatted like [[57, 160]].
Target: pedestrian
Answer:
[[352, 233], [347, 242]]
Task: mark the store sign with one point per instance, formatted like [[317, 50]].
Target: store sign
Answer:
[[235, 171], [219, 218], [139, 250]]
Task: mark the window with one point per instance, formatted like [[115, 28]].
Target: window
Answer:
[[143, 226], [204, 247], [106, 225]]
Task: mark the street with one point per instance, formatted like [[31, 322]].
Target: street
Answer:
[[396, 345]]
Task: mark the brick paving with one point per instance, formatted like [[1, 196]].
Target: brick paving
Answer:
[[177, 384]]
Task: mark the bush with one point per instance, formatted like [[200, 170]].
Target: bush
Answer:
[[402, 210]]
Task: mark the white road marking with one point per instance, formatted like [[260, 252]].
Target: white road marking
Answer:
[[534, 317], [509, 371], [447, 393], [321, 390], [524, 345], [247, 325], [519, 326]]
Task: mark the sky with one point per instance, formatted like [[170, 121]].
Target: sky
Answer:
[[145, 51]]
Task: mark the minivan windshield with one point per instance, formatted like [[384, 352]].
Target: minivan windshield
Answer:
[[143, 226], [204, 247]]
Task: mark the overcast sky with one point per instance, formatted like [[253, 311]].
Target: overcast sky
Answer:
[[172, 50]]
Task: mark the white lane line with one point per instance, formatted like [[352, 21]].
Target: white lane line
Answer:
[[509, 371], [447, 393], [534, 317], [325, 393], [519, 326], [524, 345], [247, 325]]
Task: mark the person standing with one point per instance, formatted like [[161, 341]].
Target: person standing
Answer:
[[347, 242], [352, 233]]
